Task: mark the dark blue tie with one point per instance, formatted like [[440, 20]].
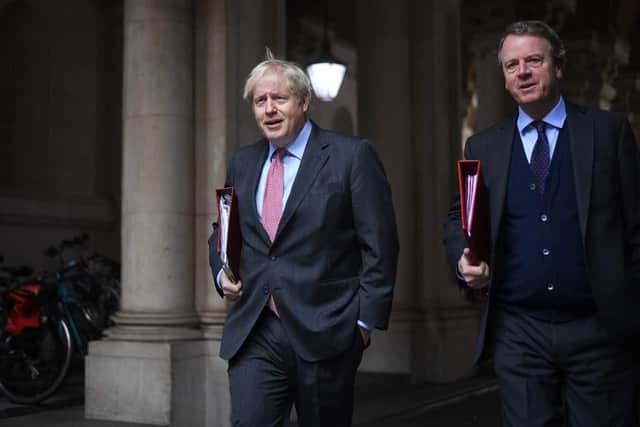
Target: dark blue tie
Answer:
[[540, 158]]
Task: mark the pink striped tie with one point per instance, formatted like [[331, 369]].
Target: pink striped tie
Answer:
[[272, 203]]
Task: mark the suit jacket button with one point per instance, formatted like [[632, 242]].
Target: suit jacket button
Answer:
[[266, 290], [273, 258]]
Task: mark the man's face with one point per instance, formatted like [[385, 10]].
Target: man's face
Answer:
[[279, 113], [530, 73]]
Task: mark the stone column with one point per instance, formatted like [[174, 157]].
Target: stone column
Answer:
[[492, 97], [184, 69], [158, 163], [444, 345], [223, 121], [409, 106], [384, 113], [149, 367], [212, 148]]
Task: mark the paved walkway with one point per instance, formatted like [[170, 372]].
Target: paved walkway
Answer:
[[472, 402], [381, 401]]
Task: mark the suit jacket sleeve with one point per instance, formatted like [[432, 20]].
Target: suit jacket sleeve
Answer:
[[375, 225], [629, 161]]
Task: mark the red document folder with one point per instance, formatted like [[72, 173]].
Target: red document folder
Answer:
[[229, 237], [474, 209]]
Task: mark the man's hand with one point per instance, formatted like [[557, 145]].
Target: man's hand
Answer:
[[231, 290], [366, 336], [476, 276]]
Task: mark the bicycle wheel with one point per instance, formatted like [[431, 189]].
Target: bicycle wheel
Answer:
[[34, 363]]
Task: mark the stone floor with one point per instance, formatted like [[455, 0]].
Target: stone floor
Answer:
[[381, 401], [471, 402]]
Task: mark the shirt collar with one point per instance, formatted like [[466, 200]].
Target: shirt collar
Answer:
[[296, 147], [555, 117]]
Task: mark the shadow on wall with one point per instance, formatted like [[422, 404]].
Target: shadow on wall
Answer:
[[342, 121]]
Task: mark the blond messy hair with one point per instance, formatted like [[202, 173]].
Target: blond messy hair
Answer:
[[299, 82]]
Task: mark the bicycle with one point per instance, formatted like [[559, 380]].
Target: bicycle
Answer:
[[93, 285], [46, 319], [35, 342]]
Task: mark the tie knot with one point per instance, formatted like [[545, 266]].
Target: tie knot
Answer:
[[279, 153], [540, 126]]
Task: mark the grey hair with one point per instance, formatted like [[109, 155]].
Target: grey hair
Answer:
[[299, 82], [540, 29]]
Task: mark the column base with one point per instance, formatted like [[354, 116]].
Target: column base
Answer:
[[212, 324], [145, 326], [390, 350], [429, 346], [182, 383], [446, 345], [151, 333]]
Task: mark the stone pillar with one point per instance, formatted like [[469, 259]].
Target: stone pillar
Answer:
[[409, 106], [212, 148], [384, 113], [149, 367], [223, 121], [445, 343], [262, 24], [184, 67], [492, 98], [158, 164]]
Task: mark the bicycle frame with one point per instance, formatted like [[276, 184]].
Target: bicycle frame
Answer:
[[68, 301]]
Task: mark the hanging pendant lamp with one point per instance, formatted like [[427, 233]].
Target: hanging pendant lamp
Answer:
[[326, 72]]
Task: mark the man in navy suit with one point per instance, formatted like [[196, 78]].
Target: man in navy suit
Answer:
[[563, 274], [318, 259]]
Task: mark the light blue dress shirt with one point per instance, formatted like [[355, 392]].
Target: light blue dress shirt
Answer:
[[291, 163], [554, 119]]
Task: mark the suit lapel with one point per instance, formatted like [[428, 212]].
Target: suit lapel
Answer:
[[314, 157], [498, 172], [581, 143]]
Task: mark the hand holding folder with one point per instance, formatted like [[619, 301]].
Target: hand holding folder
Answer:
[[229, 238], [474, 210]]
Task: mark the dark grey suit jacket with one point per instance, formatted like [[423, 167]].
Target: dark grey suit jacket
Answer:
[[333, 259], [607, 177]]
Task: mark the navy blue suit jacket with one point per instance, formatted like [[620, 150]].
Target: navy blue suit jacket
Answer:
[[606, 166], [333, 259]]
